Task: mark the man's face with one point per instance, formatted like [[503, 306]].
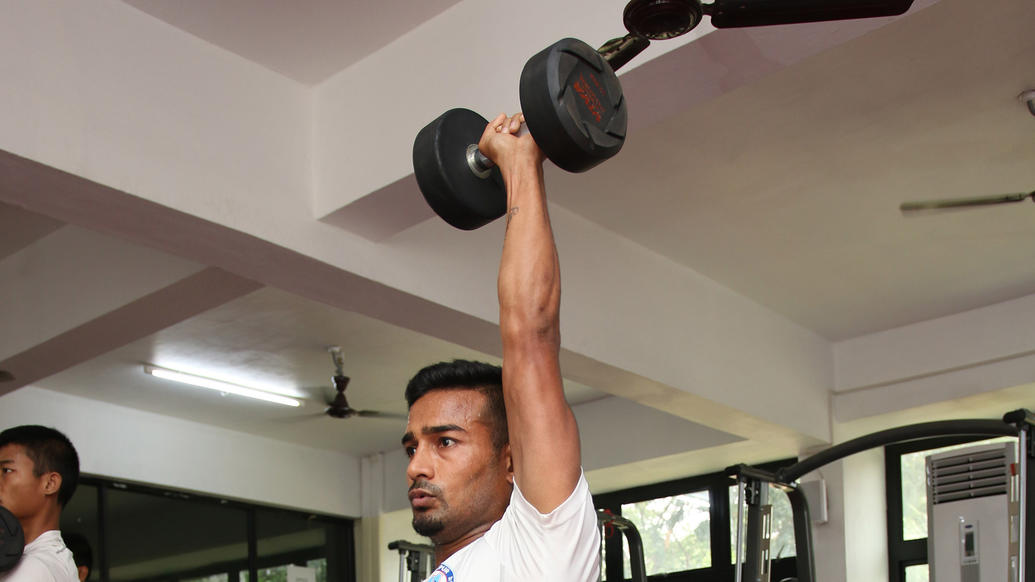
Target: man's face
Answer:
[[21, 491], [458, 481]]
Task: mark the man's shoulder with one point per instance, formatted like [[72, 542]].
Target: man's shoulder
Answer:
[[45, 559], [527, 545], [30, 568], [573, 508], [479, 560]]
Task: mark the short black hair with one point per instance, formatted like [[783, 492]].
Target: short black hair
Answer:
[[82, 554], [465, 375], [50, 451]]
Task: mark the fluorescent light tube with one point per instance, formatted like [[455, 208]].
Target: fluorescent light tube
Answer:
[[220, 386]]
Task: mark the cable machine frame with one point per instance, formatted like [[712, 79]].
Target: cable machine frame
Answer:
[[753, 565]]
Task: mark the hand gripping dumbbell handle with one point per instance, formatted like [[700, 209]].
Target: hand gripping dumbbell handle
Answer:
[[479, 163]]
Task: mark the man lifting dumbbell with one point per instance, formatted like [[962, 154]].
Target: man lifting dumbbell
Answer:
[[495, 472]]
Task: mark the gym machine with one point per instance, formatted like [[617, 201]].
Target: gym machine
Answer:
[[609, 523], [417, 559], [753, 484]]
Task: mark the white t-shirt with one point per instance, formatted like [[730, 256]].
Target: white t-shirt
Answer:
[[524, 545], [45, 559]]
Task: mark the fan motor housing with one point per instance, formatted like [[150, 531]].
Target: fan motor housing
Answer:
[[662, 19]]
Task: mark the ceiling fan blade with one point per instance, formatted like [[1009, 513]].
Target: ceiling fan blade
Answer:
[[376, 414], [741, 13], [963, 202]]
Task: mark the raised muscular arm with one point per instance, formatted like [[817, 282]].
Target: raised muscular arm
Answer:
[[544, 438]]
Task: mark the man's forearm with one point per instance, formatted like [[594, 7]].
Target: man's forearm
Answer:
[[529, 279]]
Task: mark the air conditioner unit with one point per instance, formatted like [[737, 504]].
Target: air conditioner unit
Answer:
[[973, 507]]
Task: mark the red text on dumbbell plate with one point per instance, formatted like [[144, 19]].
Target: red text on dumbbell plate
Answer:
[[589, 97]]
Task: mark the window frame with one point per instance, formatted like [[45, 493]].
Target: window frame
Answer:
[[717, 485], [252, 563]]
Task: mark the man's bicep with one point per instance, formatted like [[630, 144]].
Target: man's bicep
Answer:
[[544, 437]]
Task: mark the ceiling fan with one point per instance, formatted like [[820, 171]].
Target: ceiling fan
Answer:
[[338, 407], [950, 203], [648, 20]]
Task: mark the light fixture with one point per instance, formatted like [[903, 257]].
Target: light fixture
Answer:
[[220, 386]]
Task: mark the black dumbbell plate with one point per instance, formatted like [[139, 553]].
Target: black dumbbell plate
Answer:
[[573, 105], [447, 182], [12, 540]]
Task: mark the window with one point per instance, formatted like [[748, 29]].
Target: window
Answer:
[[152, 537], [147, 534], [906, 482], [676, 532], [686, 526]]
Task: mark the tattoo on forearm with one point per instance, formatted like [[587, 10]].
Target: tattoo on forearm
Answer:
[[511, 213]]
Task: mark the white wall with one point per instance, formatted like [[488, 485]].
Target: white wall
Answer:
[[865, 529], [125, 443], [828, 538], [979, 336], [852, 546]]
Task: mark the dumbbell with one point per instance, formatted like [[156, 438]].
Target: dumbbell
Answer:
[[574, 109], [12, 540]]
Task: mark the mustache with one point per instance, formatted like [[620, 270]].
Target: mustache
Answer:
[[427, 486]]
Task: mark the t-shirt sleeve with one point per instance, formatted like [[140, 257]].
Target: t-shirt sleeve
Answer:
[[562, 545]]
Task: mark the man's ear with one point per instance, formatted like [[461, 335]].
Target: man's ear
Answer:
[[51, 483], [508, 459]]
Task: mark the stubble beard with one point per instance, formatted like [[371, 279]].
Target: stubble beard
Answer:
[[428, 525], [429, 522]]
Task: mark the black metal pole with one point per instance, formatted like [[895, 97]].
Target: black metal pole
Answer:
[[103, 547], [805, 562], [251, 529], [895, 435], [1024, 420], [756, 560], [1027, 549], [637, 565]]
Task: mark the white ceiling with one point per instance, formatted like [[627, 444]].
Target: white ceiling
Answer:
[[275, 341], [306, 40], [785, 190]]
